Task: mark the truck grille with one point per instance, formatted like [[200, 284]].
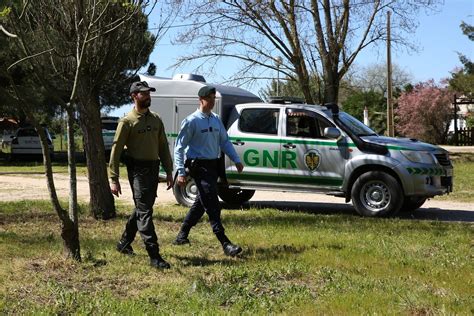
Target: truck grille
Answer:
[[443, 159]]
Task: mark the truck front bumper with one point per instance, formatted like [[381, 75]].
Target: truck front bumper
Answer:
[[426, 181]]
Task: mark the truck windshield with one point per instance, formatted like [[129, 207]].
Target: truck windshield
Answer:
[[356, 126]]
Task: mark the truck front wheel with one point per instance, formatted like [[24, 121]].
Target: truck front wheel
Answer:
[[376, 193], [186, 195], [235, 196]]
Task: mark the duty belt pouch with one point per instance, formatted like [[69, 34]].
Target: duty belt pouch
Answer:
[[190, 167]]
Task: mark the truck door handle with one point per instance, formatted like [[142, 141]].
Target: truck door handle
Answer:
[[238, 142], [289, 146]]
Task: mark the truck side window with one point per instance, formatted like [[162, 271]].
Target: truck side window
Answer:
[[307, 124], [261, 121], [322, 124]]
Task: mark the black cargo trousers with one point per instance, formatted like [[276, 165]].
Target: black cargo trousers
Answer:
[[205, 174], [143, 178]]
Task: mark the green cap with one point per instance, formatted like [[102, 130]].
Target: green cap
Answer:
[[206, 90]]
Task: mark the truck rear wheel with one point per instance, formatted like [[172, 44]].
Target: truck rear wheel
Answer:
[[186, 195], [376, 193], [235, 196], [412, 203]]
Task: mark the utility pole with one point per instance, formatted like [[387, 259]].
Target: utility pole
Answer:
[[390, 127], [455, 116], [278, 62], [366, 116]]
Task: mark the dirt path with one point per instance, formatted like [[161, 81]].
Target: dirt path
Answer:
[[15, 187]]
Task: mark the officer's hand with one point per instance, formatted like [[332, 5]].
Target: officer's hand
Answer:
[[181, 181], [115, 188], [240, 167], [169, 180]]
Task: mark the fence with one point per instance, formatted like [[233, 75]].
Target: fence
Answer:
[[465, 136]]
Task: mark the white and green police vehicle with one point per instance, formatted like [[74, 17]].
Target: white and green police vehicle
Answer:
[[292, 147]]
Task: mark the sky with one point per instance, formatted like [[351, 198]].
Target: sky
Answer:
[[438, 38]]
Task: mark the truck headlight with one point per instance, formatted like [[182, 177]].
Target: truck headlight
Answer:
[[418, 156]]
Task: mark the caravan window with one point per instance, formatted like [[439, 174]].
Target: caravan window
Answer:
[[109, 123], [110, 126]]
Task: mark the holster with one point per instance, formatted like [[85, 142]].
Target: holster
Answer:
[[190, 167]]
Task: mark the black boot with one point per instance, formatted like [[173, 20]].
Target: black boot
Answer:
[[182, 237], [159, 263], [156, 261], [231, 249], [125, 248]]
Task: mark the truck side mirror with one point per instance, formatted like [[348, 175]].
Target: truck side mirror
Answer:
[[332, 132]]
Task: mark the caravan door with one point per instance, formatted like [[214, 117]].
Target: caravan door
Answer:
[[185, 107]]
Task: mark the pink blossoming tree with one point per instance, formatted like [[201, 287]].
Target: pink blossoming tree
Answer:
[[425, 112]]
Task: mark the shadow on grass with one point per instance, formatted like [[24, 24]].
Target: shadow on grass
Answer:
[[275, 251], [437, 214], [429, 214], [10, 237], [255, 253], [156, 216], [305, 207], [200, 261]]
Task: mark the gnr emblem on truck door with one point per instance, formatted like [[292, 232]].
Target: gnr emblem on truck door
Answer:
[[312, 159]]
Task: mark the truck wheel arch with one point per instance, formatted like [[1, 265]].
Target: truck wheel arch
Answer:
[[377, 193], [356, 173]]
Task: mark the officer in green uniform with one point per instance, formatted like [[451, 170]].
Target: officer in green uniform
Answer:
[[143, 133]]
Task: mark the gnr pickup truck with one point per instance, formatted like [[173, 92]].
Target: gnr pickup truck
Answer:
[[291, 147]]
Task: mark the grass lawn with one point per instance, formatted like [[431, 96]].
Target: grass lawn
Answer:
[[60, 144], [293, 263], [38, 167]]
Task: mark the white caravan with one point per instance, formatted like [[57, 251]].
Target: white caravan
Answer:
[[176, 98]]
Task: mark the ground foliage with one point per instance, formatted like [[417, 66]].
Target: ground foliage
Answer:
[[299, 260]]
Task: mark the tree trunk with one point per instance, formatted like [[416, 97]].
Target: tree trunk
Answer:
[[70, 236], [70, 229], [303, 79], [71, 158], [69, 224], [331, 85], [101, 200]]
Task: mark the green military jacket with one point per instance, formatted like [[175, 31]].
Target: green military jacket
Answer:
[[145, 139]]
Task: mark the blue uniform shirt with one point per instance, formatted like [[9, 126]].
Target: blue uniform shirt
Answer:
[[202, 136]]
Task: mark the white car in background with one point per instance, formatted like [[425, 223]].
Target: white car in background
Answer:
[[26, 142]]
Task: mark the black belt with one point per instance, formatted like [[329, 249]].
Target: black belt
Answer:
[[144, 163], [207, 163], [191, 164]]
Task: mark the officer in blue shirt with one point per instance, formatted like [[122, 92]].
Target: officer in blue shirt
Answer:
[[202, 137]]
